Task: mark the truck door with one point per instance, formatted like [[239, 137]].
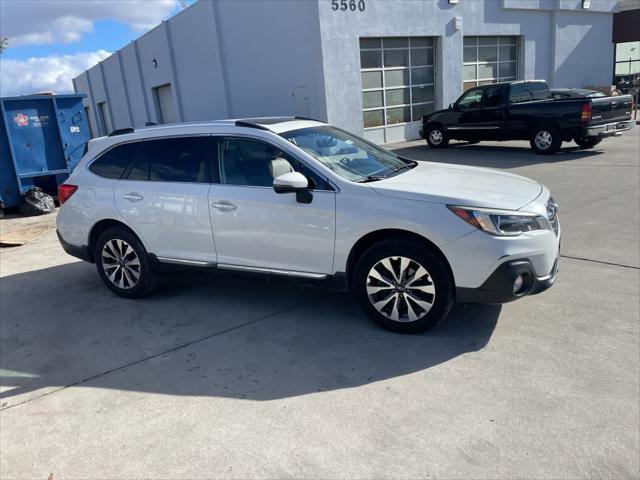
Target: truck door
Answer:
[[491, 115]]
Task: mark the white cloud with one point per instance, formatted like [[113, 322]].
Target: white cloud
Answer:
[[65, 21], [52, 73]]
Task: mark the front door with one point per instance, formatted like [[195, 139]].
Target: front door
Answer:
[[164, 195], [256, 227]]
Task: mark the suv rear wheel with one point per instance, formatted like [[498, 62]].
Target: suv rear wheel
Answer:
[[123, 264], [402, 286], [545, 140]]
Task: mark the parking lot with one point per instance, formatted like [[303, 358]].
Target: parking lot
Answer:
[[217, 375]]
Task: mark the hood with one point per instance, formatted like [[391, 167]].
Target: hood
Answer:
[[460, 185]]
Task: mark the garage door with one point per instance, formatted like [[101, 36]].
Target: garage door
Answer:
[[397, 86]]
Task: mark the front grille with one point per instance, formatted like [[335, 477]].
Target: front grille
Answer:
[[552, 214]]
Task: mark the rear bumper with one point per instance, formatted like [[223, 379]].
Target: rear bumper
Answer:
[[79, 252], [498, 288], [609, 129]]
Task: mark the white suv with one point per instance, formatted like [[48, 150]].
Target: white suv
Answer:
[[299, 198]]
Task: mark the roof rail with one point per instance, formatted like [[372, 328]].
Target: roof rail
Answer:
[[121, 131], [242, 123], [307, 118]]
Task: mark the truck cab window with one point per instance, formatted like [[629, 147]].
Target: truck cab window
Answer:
[[470, 100]]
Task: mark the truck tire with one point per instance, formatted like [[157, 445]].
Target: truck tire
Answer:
[[123, 263], [402, 286], [545, 140], [587, 142], [437, 137]]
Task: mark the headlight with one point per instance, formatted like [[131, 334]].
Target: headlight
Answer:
[[500, 222]]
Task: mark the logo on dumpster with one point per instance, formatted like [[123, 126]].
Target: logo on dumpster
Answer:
[[22, 120]]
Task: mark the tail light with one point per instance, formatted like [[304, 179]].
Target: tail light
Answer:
[[65, 191], [585, 113]]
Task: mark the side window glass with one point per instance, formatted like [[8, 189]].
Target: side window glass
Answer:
[[255, 163], [470, 100], [139, 169], [186, 159], [493, 96], [114, 162]]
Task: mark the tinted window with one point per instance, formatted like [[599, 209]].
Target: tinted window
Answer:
[[493, 96], [254, 163], [186, 159], [114, 162], [471, 99], [529, 91]]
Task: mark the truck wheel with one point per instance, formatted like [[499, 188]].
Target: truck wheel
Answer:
[[436, 137], [402, 286], [587, 142], [123, 264], [545, 140]]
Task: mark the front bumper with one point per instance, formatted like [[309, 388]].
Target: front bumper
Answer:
[[609, 129], [498, 288]]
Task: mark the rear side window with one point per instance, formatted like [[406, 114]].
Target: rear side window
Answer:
[[493, 96], [185, 159], [114, 162], [529, 91]]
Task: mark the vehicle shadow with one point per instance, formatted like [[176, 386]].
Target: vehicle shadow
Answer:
[[493, 156], [207, 335]]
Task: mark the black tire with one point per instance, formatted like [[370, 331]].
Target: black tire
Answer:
[[472, 142], [552, 143], [587, 142], [437, 137], [146, 277], [437, 273]]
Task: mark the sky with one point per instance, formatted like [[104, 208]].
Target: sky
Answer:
[[52, 41]]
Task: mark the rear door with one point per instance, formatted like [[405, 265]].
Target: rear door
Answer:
[[164, 196]]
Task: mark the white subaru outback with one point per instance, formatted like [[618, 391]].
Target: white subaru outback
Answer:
[[299, 198]]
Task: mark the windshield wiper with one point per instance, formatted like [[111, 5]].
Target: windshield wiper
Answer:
[[370, 178]]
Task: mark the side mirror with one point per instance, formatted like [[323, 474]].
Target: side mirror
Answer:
[[290, 182], [451, 106]]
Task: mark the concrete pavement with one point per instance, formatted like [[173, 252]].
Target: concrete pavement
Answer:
[[218, 376]]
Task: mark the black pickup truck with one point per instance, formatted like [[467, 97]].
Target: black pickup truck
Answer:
[[526, 110]]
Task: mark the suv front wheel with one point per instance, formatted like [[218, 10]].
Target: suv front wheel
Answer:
[[123, 264], [402, 286]]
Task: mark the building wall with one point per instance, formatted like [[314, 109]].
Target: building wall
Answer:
[[559, 41]]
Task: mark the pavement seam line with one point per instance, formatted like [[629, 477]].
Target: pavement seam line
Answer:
[[150, 357], [601, 262], [591, 202]]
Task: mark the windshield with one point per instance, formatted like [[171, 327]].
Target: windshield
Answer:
[[351, 157]]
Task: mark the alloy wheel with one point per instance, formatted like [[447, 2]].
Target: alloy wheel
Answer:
[[435, 136], [400, 289], [543, 140], [121, 263]]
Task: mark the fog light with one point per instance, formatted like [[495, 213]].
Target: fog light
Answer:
[[518, 285]]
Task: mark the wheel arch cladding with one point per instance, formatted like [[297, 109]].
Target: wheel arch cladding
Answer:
[[376, 236]]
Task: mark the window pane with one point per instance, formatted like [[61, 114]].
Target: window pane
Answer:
[[398, 115], [471, 99], [486, 82], [140, 170], [179, 159], [488, 70], [470, 41], [371, 80], [508, 40], [372, 99], [370, 43], [487, 54], [373, 118], [487, 40], [420, 111], [421, 42], [421, 56], [396, 78], [421, 75], [507, 69], [398, 97], [422, 94], [396, 58], [470, 54], [470, 72], [113, 163], [627, 68], [493, 96], [468, 85], [507, 53], [247, 162], [371, 59], [395, 42]]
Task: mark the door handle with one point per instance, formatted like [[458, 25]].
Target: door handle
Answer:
[[223, 206], [133, 197]]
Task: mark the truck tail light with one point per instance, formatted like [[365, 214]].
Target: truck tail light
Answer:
[[585, 114], [65, 191]]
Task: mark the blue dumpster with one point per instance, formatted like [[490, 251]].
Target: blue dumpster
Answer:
[[42, 138]]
